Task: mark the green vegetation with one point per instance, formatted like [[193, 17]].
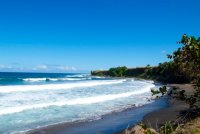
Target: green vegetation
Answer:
[[191, 127], [162, 91], [167, 72], [113, 72], [99, 73], [188, 59], [117, 72], [166, 128]]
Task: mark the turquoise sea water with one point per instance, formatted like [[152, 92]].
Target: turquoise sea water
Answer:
[[32, 100]]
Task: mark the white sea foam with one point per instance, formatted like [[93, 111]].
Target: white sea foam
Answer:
[[34, 79], [55, 79], [98, 77], [25, 88], [78, 75], [74, 79], [80, 101]]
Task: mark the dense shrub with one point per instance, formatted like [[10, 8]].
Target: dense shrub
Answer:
[[117, 72]]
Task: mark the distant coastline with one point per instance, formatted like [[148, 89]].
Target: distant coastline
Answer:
[[165, 73]]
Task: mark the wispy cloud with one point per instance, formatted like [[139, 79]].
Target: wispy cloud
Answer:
[[5, 66], [39, 68], [65, 68], [42, 67], [10, 68], [55, 68]]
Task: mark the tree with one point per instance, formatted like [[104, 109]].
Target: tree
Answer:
[[118, 71], [187, 58]]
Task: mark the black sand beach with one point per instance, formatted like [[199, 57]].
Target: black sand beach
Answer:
[[171, 113], [112, 123]]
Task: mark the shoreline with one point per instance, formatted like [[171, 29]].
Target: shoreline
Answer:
[[172, 113], [156, 113], [110, 123]]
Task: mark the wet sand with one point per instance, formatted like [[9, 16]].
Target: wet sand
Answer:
[[172, 113]]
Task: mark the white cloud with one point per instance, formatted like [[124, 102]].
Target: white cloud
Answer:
[[73, 69], [57, 68], [11, 68], [61, 68], [65, 68], [40, 68], [43, 67], [5, 66], [2, 66]]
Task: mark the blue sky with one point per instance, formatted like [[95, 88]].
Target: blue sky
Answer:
[[83, 35]]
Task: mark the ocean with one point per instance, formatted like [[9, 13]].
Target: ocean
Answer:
[[34, 100]]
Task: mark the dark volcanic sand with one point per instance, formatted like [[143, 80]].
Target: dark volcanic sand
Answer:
[[172, 113]]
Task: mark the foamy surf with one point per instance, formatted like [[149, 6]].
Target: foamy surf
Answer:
[[26, 88], [55, 79], [74, 79], [80, 101], [34, 79]]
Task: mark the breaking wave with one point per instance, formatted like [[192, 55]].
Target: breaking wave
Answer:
[[24, 88], [80, 101]]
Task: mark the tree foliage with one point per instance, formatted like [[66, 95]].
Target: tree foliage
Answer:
[[161, 90], [187, 57], [167, 72], [186, 60], [117, 72]]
